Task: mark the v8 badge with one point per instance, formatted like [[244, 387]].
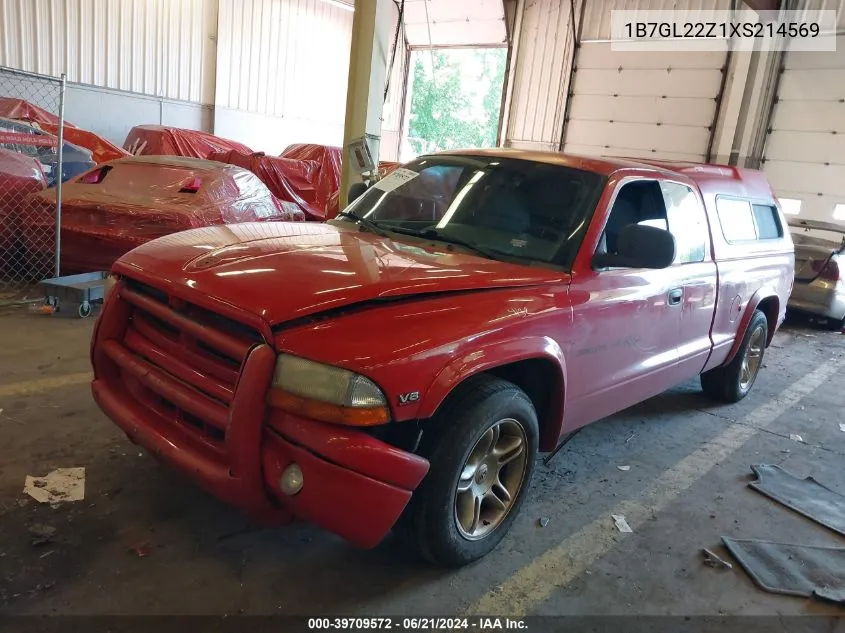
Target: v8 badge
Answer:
[[408, 398]]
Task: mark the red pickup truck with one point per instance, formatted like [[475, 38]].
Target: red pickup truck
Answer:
[[401, 366]]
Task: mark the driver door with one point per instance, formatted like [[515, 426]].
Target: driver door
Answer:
[[624, 348]]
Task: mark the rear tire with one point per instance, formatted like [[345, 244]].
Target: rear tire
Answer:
[[471, 494], [732, 382]]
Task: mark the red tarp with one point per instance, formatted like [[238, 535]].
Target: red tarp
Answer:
[[328, 179], [101, 150], [158, 140], [21, 110], [19, 176], [289, 179], [118, 206]]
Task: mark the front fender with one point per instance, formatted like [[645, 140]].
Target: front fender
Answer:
[[497, 354], [753, 303]]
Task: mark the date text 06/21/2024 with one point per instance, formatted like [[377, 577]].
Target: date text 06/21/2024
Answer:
[[479, 624]]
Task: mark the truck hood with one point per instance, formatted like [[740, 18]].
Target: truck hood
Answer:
[[283, 271]]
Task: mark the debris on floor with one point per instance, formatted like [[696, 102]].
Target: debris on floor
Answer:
[[141, 550], [543, 521], [794, 570], [61, 485], [41, 534], [805, 496], [624, 469], [841, 424], [621, 523], [712, 560], [796, 438]]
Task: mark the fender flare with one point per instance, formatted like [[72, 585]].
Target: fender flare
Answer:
[[497, 354], [750, 308]]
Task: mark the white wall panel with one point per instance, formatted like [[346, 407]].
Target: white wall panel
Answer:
[[653, 104], [112, 114], [163, 48], [539, 77], [284, 58], [804, 156], [455, 22], [597, 12]]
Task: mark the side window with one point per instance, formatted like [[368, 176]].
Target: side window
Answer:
[[637, 202], [736, 219], [768, 222], [687, 222]]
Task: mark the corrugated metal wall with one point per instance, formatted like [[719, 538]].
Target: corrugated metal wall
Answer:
[[163, 48], [285, 58], [539, 77]]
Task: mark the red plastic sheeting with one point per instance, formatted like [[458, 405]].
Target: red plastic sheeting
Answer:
[[120, 205], [328, 180], [158, 140], [101, 150], [21, 110], [20, 176], [289, 179]]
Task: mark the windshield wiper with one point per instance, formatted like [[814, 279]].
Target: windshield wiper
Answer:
[[437, 235], [368, 224]]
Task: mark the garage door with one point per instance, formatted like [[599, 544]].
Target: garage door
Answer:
[[805, 149], [643, 104]]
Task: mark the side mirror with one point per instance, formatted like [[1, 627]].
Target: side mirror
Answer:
[[640, 246], [356, 190]]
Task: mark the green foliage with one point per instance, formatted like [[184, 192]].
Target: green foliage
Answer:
[[456, 106]]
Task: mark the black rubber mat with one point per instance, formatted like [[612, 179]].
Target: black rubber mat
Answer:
[[795, 570], [806, 496]]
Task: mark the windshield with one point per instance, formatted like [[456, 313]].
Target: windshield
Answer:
[[500, 207]]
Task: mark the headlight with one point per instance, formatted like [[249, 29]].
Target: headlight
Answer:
[[328, 393]]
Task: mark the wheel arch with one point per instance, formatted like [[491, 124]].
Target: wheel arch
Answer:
[[768, 302], [535, 365]]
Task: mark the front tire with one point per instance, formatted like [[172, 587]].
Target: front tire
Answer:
[[482, 447], [732, 382]]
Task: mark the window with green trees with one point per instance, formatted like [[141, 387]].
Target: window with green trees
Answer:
[[456, 97]]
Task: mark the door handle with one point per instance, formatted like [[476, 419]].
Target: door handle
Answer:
[[675, 296]]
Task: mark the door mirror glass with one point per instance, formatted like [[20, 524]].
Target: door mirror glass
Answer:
[[356, 190], [640, 246]]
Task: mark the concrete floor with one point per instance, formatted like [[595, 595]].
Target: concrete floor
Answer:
[[689, 464]]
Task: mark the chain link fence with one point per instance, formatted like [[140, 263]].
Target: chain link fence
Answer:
[[34, 161]]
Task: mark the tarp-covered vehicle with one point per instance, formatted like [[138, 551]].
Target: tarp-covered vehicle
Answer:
[[31, 141], [296, 181], [20, 110], [159, 140], [20, 176], [305, 174], [122, 204], [101, 149]]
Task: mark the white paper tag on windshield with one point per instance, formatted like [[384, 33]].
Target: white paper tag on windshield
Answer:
[[395, 179]]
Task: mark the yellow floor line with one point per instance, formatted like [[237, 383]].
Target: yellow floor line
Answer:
[[30, 387], [533, 584]]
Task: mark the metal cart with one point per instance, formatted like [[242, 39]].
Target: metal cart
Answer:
[[76, 292]]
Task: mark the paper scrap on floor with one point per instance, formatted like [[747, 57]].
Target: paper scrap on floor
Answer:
[[60, 486], [622, 523]]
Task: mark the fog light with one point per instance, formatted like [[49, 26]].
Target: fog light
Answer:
[[291, 480]]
